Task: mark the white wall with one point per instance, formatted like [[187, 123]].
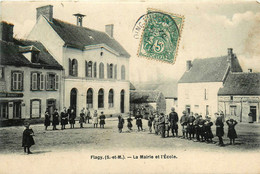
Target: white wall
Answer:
[[193, 94]]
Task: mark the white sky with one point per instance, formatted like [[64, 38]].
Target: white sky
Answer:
[[209, 29]]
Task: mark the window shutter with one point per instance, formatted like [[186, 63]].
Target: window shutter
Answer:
[[56, 82], [115, 72], [107, 70], [86, 68], [12, 81], [76, 71], [42, 82], [47, 81], [95, 70], [70, 67], [20, 81]]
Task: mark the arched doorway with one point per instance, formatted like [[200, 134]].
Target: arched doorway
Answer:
[[73, 99], [122, 101]]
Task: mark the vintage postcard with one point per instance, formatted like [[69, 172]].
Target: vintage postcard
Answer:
[[129, 87]]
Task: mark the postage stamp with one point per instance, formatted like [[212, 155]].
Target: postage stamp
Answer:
[[161, 36]]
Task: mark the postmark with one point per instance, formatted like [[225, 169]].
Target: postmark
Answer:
[[161, 36]]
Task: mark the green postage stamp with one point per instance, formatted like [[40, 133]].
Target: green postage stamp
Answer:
[[161, 36]]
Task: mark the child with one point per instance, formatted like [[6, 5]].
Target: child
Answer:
[[232, 135], [95, 119], [150, 122], [139, 123], [102, 118], [219, 129], [81, 118], [27, 138], [121, 122], [129, 123]]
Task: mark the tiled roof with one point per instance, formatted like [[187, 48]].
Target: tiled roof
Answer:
[[79, 37], [144, 96], [10, 55], [209, 70], [241, 84]]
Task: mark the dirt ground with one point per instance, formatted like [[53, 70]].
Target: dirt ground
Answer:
[[88, 142]]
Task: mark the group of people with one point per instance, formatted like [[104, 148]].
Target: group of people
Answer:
[[68, 116], [193, 126]]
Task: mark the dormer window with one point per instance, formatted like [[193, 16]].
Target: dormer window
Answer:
[[30, 52]]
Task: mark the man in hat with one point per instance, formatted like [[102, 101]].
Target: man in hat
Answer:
[[219, 129], [190, 126], [102, 118], [161, 125], [196, 126], [55, 119], [173, 118], [184, 122]]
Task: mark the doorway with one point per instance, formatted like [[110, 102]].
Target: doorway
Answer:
[[51, 105], [253, 111], [17, 109], [73, 99], [122, 101]]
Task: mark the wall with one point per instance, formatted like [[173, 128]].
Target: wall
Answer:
[[27, 93], [161, 104], [171, 102], [193, 94], [224, 103]]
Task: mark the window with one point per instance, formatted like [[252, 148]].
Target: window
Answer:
[[206, 94], [17, 81], [111, 98], [52, 81], [37, 81], [110, 71], [89, 69], [122, 72], [3, 109], [35, 108], [233, 110], [95, 70], [2, 75], [115, 72], [90, 98], [101, 70], [73, 67], [101, 98]]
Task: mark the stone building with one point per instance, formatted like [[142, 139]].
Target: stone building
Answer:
[[198, 87], [241, 95], [96, 66], [30, 79]]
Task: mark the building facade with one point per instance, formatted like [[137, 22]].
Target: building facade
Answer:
[[30, 79], [198, 87], [239, 96], [96, 66]]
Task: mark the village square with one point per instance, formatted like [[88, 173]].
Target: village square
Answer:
[[66, 87]]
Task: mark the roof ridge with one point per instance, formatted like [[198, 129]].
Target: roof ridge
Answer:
[[211, 57]]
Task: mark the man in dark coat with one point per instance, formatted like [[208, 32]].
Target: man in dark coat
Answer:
[[184, 122], [55, 119], [102, 118], [219, 128], [173, 117], [28, 140], [139, 123], [196, 127], [72, 117], [161, 125], [47, 120], [64, 118]]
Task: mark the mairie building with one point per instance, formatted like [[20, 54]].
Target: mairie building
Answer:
[[96, 66]]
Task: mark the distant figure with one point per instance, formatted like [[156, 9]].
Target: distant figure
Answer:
[[64, 118], [81, 118], [102, 118], [47, 120], [161, 125], [232, 134], [95, 119], [155, 123], [87, 114], [190, 126], [196, 127], [184, 123], [121, 122], [202, 128], [28, 140], [55, 119], [139, 123], [129, 123], [150, 122], [173, 118], [219, 129], [167, 125], [72, 118]]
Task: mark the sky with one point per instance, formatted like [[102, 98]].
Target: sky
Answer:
[[210, 27]]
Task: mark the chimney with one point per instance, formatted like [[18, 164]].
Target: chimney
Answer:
[[109, 29], [249, 70], [230, 57], [79, 19], [46, 11], [7, 31], [188, 65]]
